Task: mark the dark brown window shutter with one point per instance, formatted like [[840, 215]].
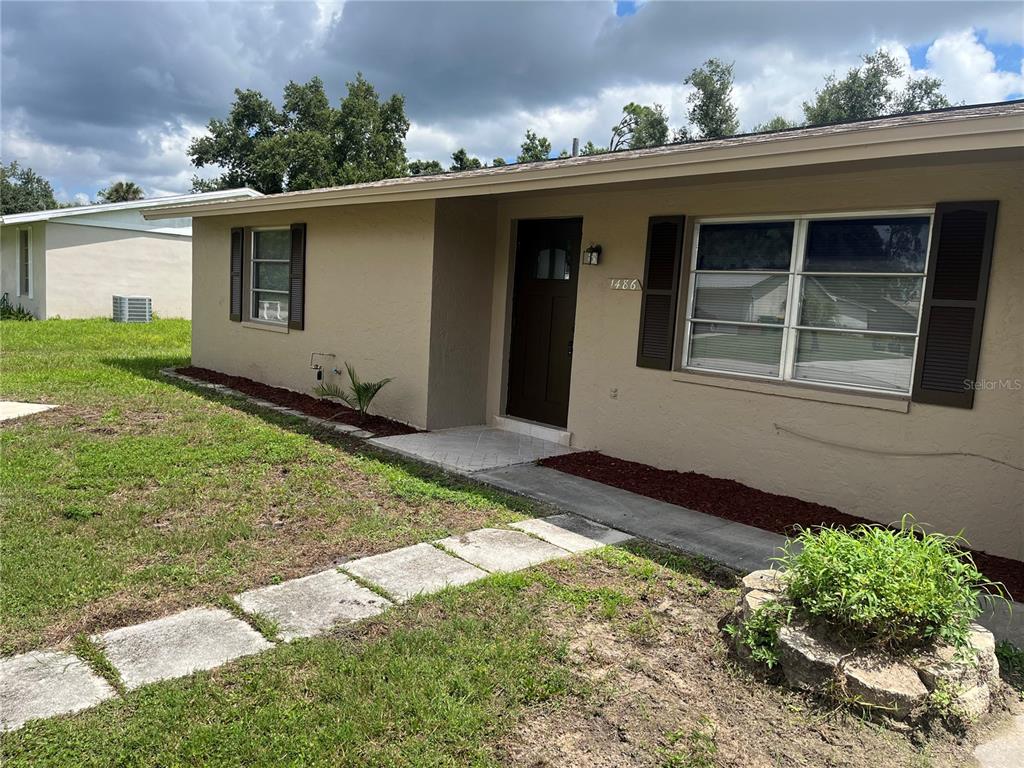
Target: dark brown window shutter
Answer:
[[237, 262], [297, 279], [954, 305], [660, 292]]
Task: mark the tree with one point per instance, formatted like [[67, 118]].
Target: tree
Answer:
[[870, 91], [639, 127], [22, 190], [777, 123], [590, 148], [711, 109], [462, 161], [498, 161], [425, 168], [308, 143], [534, 148], [120, 192]]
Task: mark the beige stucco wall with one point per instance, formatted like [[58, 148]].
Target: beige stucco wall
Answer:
[[87, 265], [368, 285], [36, 304], [692, 422], [461, 312]]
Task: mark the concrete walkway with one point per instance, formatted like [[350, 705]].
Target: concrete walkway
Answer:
[[42, 684], [12, 409]]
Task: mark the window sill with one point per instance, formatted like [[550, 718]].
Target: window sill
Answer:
[[797, 391], [272, 327]]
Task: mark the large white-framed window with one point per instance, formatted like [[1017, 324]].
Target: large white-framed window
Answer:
[[270, 261], [830, 300], [25, 262]]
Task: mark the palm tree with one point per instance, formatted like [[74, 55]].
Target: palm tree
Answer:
[[121, 192]]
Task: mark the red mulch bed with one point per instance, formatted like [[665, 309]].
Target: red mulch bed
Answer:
[[735, 501], [313, 406]]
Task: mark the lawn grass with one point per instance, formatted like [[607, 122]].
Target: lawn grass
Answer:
[[137, 496]]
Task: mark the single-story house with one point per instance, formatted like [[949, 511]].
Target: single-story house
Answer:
[[70, 262], [876, 367]]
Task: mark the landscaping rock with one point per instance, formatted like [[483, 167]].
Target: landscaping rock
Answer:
[[807, 661], [764, 581], [973, 703], [880, 682], [984, 644], [753, 600]]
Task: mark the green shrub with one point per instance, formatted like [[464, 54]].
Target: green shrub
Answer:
[[760, 633], [887, 588], [10, 312], [360, 393]]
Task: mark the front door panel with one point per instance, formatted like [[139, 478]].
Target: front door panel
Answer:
[[543, 318]]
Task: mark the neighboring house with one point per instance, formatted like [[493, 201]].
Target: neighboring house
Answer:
[[69, 262], [810, 319]]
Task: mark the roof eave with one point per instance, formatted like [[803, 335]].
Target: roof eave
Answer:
[[868, 143]]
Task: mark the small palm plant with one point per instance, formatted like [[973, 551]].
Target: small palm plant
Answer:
[[360, 393]]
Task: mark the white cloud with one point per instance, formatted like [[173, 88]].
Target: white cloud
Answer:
[[968, 69]]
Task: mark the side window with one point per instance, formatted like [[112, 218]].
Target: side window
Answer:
[[271, 249]]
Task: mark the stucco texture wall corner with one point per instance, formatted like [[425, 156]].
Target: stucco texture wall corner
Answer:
[[368, 287], [659, 420]]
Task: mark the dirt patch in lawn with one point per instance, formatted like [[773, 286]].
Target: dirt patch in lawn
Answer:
[[666, 691], [313, 406], [732, 500]]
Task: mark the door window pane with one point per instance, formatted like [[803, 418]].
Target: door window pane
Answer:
[[867, 245], [272, 275], [552, 264], [862, 303], [270, 306], [758, 245], [857, 359], [272, 244], [746, 298], [739, 348]]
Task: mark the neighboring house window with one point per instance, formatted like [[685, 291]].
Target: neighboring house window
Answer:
[[271, 249], [25, 263], [825, 300]]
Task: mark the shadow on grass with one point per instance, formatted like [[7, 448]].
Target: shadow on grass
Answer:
[[147, 367], [389, 463]]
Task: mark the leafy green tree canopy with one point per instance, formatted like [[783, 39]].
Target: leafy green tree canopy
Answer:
[[711, 109], [462, 161], [534, 148], [308, 143], [871, 90], [22, 190], [120, 192], [640, 126], [498, 161], [777, 123], [425, 168]]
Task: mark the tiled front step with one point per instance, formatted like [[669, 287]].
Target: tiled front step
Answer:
[[410, 571], [46, 683], [313, 604], [178, 645], [573, 533]]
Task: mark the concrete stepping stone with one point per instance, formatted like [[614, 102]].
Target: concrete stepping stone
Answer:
[[499, 550], [178, 645], [313, 604], [576, 534], [1005, 750], [410, 571], [46, 683], [11, 409]]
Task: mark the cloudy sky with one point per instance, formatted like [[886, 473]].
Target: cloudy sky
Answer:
[[98, 91]]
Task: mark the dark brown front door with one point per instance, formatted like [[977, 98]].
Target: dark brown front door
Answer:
[[543, 317]]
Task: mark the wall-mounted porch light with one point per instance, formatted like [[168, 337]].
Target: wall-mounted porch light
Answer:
[[592, 255]]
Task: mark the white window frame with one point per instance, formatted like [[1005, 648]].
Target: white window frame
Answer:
[[30, 264], [253, 290], [794, 297]]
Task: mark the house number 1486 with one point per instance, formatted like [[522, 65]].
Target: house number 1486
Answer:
[[625, 284]]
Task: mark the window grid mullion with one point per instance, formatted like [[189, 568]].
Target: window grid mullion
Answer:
[[789, 338]]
